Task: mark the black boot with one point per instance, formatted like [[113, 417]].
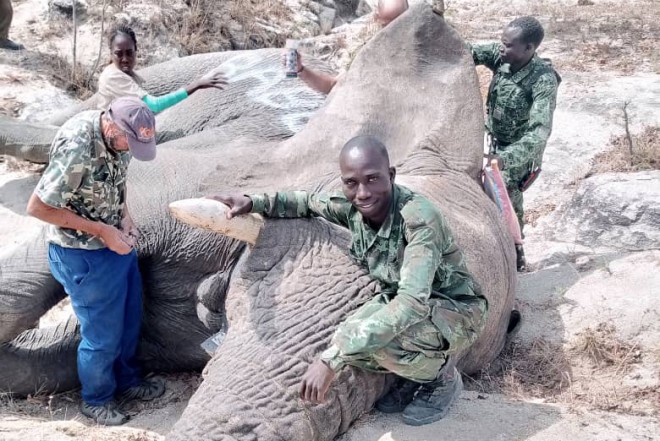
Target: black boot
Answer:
[[521, 263], [434, 399], [6, 43], [399, 396]]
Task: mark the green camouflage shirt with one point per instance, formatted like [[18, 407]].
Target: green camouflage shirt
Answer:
[[520, 107], [84, 176], [413, 255]]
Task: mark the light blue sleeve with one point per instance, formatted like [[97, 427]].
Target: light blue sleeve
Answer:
[[160, 103]]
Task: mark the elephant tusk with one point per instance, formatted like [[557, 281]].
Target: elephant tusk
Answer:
[[212, 215]]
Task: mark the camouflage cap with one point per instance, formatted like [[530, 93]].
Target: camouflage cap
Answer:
[[133, 116]]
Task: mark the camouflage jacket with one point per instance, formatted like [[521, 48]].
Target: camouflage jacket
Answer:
[[413, 255], [520, 108], [86, 177]]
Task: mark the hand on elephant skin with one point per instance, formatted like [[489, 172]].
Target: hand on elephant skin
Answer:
[[129, 227], [238, 203], [117, 240], [214, 78], [316, 382]]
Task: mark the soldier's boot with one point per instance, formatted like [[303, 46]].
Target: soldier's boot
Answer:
[[399, 396], [521, 262], [6, 43], [434, 399]]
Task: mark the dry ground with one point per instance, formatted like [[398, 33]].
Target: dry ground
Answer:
[[576, 371]]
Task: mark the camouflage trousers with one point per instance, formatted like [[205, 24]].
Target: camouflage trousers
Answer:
[[419, 352], [512, 182], [516, 197]]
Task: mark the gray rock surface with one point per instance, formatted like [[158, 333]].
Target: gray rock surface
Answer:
[[613, 210]]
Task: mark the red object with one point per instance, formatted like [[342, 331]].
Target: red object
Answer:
[[496, 190], [531, 178]]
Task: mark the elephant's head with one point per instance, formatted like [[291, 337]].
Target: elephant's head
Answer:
[[413, 86]]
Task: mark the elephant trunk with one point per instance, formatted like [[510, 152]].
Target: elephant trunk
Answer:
[[40, 360], [26, 141], [251, 391], [251, 387]]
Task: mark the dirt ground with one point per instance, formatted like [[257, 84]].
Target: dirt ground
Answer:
[[586, 363]]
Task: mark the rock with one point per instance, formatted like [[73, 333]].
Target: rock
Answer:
[[583, 263], [612, 210], [365, 6], [65, 7], [327, 19]]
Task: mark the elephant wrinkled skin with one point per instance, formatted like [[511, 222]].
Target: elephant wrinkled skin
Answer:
[[414, 87]]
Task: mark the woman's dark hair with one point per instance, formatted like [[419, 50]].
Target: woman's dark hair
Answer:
[[122, 29]]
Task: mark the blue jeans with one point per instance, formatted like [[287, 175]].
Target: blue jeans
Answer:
[[106, 293]]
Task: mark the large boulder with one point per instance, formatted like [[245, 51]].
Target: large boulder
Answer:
[[612, 210]]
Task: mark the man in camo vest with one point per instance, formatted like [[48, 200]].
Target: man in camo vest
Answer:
[[91, 251], [520, 104], [429, 307]]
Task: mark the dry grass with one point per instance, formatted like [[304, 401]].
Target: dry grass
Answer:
[[533, 215], [205, 27], [80, 83], [645, 153], [589, 371], [537, 369], [603, 35], [604, 349]]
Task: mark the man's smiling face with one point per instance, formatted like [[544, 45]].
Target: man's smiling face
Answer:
[[367, 182]]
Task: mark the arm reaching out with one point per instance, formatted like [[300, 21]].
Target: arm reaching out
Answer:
[[318, 81]]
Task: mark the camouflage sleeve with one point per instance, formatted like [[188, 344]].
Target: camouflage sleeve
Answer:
[[334, 208], [519, 155], [427, 236], [485, 54], [69, 159]]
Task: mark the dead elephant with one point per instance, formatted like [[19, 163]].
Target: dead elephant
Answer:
[[414, 87]]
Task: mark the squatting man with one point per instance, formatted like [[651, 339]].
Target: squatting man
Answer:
[[429, 307]]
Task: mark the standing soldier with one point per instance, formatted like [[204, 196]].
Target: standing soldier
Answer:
[[520, 104], [429, 309], [6, 14], [91, 250]]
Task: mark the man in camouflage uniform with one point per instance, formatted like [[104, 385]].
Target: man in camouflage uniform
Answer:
[[82, 195], [429, 307], [520, 104]]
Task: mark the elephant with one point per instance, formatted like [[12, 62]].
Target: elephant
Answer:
[[279, 297], [273, 108]]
